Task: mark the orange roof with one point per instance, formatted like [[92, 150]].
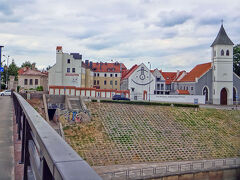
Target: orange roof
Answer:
[[169, 76], [28, 71], [196, 72], [183, 92], [130, 71], [108, 67]]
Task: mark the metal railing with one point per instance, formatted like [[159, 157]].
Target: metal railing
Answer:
[[44, 153], [173, 169]]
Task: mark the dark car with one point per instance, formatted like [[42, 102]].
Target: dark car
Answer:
[[120, 97]]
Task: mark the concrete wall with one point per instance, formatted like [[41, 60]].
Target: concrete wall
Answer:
[[178, 98]]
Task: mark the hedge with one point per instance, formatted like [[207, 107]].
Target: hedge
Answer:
[[149, 103]]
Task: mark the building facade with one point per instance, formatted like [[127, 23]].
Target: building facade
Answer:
[[216, 80], [32, 78], [67, 70]]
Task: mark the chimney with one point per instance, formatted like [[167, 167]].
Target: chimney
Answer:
[[178, 73], [90, 65], [86, 63], [59, 49], [33, 66]]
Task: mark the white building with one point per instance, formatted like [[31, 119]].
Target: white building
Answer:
[[140, 81], [67, 70]]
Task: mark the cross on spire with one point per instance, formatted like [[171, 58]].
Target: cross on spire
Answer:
[[222, 21]]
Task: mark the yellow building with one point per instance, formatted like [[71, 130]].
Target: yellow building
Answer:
[[102, 75]]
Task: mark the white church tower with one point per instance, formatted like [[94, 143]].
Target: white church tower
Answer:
[[222, 60]]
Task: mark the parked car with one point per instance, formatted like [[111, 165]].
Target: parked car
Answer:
[[120, 97], [5, 93]]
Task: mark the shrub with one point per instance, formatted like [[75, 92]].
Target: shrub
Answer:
[[150, 103], [94, 100], [18, 88], [39, 88]]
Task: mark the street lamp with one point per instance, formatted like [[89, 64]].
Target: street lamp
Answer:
[[149, 81], [1, 66], [7, 69]]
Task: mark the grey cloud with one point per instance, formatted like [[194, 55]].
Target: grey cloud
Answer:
[[172, 18]]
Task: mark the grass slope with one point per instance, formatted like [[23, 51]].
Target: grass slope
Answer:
[[124, 134]]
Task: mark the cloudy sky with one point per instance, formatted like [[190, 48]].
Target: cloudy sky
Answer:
[[170, 34]]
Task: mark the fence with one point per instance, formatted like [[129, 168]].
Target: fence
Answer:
[[173, 169], [44, 153]]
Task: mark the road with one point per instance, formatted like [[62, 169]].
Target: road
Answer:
[[6, 138]]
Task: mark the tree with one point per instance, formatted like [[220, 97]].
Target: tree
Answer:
[[13, 70], [236, 59], [28, 64]]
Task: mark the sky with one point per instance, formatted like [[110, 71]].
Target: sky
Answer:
[[171, 35]]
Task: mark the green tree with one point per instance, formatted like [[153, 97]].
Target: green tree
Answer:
[[236, 59], [26, 64], [13, 70]]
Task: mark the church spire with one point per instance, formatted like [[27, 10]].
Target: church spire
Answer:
[[222, 38]]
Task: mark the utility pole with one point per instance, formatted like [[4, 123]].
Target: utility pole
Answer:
[[7, 70], [1, 67], [149, 81]]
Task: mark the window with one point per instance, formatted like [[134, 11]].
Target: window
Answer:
[[158, 86], [162, 87], [115, 82], [36, 81], [111, 75], [97, 82], [227, 53], [94, 82], [73, 70], [192, 88], [105, 75], [25, 82], [68, 70], [158, 79], [205, 92], [111, 83], [132, 89], [115, 75], [98, 74], [94, 74], [105, 82], [68, 61], [222, 52], [31, 82], [187, 88]]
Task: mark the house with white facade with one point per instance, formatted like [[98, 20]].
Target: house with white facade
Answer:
[[67, 70], [139, 81]]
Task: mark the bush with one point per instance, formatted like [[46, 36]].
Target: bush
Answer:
[[18, 88], [39, 88], [94, 100], [3, 86], [150, 103]]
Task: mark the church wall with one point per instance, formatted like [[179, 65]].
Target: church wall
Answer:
[[205, 80], [236, 84]]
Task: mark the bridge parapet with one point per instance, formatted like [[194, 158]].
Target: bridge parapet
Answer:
[[45, 154]]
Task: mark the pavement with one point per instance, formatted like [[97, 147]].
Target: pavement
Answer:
[[6, 138]]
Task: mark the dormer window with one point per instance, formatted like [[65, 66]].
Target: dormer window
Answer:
[[222, 52], [68, 61], [227, 53]]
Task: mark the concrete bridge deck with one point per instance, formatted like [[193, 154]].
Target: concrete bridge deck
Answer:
[[6, 138]]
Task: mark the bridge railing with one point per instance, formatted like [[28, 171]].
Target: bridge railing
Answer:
[[44, 153]]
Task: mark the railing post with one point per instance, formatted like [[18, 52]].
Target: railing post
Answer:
[[23, 139], [46, 173], [27, 137]]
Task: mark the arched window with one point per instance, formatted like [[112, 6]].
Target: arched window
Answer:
[[222, 52], [227, 53], [205, 92]]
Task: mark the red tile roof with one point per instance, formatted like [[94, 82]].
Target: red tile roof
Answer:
[[129, 72], [28, 71], [108, 67], [196, 72], [183, 92], [169, 76]]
